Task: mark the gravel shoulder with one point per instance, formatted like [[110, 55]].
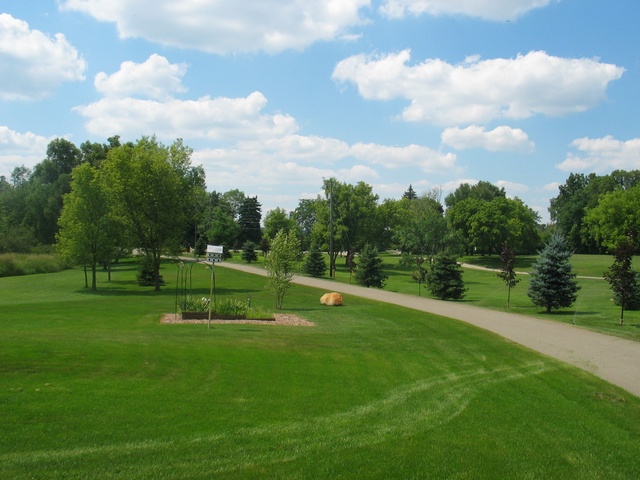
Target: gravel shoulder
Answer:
[[613, 359]]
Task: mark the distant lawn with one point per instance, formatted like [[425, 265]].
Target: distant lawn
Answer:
[[93, 386], [594, 309]]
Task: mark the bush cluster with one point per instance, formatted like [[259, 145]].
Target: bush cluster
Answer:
[[13, 264]]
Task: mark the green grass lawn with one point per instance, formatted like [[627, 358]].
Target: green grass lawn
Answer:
[[93, 386], [594, 308]]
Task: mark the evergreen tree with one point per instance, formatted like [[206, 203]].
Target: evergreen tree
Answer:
[[623, 280], [249, 252], [552, 283], [315, 263], [410, 194], [249, 216], [369, 272], [444, 278]]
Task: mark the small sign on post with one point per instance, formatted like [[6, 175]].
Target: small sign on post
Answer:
[[214, 255]]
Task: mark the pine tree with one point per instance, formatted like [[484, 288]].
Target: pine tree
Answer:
[[369, 272], [315, 263], [410, 194], [249, 216], [444, 278], [552, 283], [249, 252]]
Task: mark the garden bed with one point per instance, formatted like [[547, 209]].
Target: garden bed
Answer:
[[216, 316], [278, 319]]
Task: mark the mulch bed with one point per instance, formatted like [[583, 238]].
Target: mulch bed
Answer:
[[280, 319]]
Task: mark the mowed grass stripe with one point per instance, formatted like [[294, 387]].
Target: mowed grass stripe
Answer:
[[421, 406], [372, 391]]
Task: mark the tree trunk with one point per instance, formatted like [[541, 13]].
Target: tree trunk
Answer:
[[156, 271]]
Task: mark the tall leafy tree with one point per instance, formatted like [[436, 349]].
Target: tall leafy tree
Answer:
[[223, 229], [356, 219], [488, 224], [49, 181], [276, 220], [305, 216], [281, 263], [146, 181], [87, 230], [422, 228], [615, 220], [552, 284], [579, 194], [483, 190]]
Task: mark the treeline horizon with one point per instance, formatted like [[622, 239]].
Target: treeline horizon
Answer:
[[594, 212]]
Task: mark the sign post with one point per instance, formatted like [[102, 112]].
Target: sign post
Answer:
[[214, 255]]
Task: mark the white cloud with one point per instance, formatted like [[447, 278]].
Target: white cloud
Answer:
[[498, 10], [512, 189], [33, 64], [155, 78], [205, 118], [227, 27], [478, 91], [18, 149], [501, 138], [425, 158], [602, 155], [551, 187]]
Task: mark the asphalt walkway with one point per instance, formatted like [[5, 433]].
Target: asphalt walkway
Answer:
[[613, 359]]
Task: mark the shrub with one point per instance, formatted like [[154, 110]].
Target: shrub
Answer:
[[230, 307], [13, 264], [191, 304]]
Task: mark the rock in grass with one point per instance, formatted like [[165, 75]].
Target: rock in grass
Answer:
[[331, 299]]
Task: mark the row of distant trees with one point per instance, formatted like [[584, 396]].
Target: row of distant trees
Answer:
[[148, 196]]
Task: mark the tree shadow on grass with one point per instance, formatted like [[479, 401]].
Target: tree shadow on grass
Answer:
[[129, 288]]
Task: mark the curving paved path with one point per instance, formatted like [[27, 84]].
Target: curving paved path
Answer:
[[613, 359]]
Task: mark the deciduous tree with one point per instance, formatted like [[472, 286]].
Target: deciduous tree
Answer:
[[507, 270], [87, 229], [623, 279], [281, 263], [146, 180]]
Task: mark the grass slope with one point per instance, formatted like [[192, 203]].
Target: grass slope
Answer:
[[93, 386]]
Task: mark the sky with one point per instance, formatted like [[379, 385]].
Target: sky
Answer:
[[276, 95]]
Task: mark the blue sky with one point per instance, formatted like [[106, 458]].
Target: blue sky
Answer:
[[275, 95]]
